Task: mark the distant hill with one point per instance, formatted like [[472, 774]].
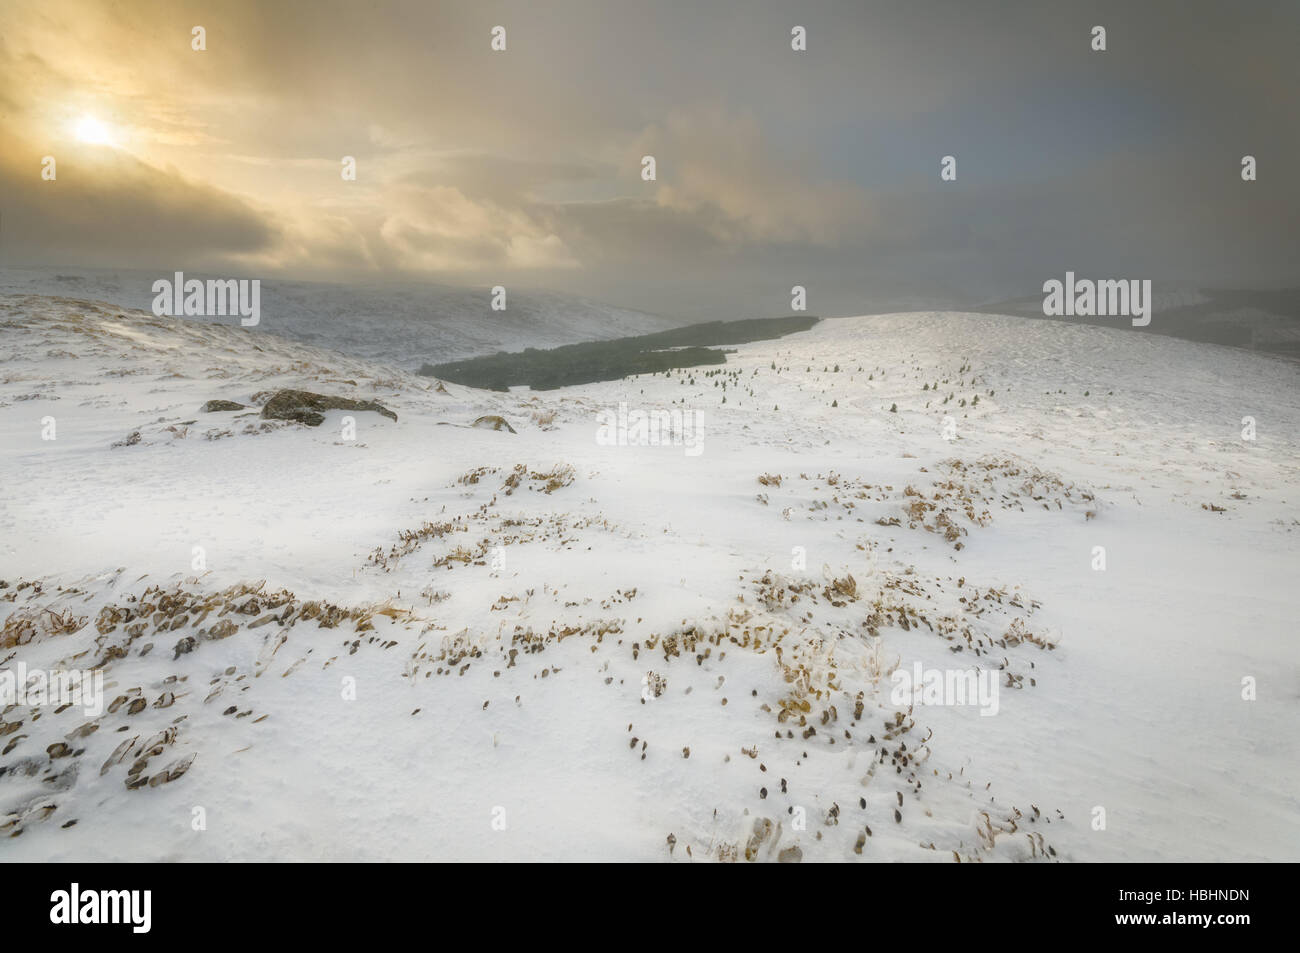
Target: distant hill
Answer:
[[1256, 320], [398, 323]]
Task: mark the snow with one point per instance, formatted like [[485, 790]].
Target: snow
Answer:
[[598, 554], [405, 324]]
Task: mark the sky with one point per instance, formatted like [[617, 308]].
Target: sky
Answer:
[[774, 167]]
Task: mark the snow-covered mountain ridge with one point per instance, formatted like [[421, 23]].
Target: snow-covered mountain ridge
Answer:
[[422, 639]]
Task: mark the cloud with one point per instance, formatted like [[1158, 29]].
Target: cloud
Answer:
[[720, 168], [440, 229], [773, 167], [103, 202], [502, 178]]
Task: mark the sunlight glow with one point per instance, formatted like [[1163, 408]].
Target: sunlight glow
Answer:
[[90, 129]]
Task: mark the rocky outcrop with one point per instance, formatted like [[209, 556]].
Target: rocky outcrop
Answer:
[[308, 408]]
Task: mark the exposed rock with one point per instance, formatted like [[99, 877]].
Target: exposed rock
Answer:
[[791, 855], [223, 629], [493, 422], [306, 407], [303, 416], [214, 406]]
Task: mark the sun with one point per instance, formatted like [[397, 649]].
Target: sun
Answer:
[[89, 129]]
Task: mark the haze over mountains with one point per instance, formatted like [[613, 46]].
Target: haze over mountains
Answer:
[[406, 324], [1259, 320], [411, 323]]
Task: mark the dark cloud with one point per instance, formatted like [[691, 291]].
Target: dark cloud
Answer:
[[105, 207]]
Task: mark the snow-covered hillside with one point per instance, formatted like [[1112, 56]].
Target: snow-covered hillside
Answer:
[[430, 640], [400, 324]]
